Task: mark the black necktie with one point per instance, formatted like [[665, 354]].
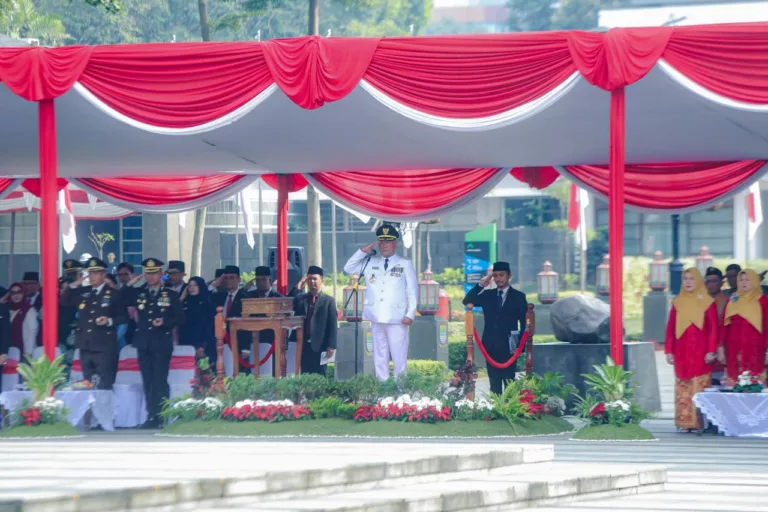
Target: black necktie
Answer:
[[386, 264], [501, 298]]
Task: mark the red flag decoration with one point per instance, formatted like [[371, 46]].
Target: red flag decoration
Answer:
[[573, 209]]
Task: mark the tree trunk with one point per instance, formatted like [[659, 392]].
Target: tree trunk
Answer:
[[429, 250], [201, 214], [205, 29], [314, 226]]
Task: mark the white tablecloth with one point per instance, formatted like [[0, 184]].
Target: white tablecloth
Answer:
[[735, 414], [100, 402]]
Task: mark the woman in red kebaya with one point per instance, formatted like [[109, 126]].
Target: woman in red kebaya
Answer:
[[744, 337], [690, 346]]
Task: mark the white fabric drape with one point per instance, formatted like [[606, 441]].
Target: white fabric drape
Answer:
[[706, 93], [513, 116], [206, 127]]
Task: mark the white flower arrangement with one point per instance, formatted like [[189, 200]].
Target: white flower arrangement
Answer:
[[555, 404], [745, 379], [264, 403], [479, 404], [50, 405], [403, 400], [618, 404]]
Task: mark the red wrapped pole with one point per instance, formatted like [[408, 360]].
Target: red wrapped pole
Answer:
[[49, 226], [616, 223], [283, 186]]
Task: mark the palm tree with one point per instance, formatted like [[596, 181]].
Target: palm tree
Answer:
[[20, 19]]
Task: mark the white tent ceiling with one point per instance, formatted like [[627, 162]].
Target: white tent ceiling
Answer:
[[665, 123]]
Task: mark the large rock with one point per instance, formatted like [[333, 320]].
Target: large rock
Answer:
[[581, 319]]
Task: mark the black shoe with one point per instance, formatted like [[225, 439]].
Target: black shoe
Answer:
[[150, 425]]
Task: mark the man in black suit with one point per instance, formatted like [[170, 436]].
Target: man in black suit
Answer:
[[319, 312], [159, 311], [176, 273], [504, 311], [232, 302], [99, 314]]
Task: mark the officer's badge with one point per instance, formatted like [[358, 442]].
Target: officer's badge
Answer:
[[151, 263], [93, 263], [141, 307], [82, 305], [385, 230]]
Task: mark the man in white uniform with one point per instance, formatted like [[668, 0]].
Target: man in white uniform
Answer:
[[391, 296]]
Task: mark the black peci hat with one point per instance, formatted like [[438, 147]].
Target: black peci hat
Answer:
[[314, 269], [176, 265], [31, 276], [263, 271], [232, 269], [502, 266], [387, 233]]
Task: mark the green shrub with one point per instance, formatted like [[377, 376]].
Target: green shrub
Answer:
[[360, 388], [325, 407], [245, 387], [424, 367], [330, 371], [304, 387], [418, 384], [346, 411], [457, 354]]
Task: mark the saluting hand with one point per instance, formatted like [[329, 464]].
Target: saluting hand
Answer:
[[301, 284], [485, 281], [368, 248], [135, 279]]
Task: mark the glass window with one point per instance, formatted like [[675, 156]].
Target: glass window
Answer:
[[134, 221], [297, 216], [132, 239], [325, 217], [26, 234]]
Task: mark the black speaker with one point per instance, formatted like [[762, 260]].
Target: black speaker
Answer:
[[296, 265]]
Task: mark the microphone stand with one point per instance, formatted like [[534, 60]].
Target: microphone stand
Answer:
[[354, 294]]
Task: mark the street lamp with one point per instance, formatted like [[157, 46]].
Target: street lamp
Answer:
[[658, 275], [429, 295], [547, 284]]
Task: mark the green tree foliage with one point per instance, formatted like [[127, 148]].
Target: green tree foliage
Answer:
[[21, 19], [530, 15]]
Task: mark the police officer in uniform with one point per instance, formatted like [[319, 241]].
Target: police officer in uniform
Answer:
[[390, 299], [99, 313], [159, 311]]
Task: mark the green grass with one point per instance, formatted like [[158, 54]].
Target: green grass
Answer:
[[629, 432], [340, 427], [60, 429]]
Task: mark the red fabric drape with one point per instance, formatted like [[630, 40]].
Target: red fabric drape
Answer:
[[535, 177], [315, 70], [283, 185], [672, 186], [34, 187], [730, 60], [157, 190], [188, 84], [392, 193], [49, 227], [295, 182], [5, 184], [470, 76]]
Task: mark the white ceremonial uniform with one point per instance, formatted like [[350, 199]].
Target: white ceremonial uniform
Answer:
[[390, 296]]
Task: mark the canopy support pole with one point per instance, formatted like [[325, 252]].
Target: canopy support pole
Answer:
[[283, 184], [616, 223], [49, 239]]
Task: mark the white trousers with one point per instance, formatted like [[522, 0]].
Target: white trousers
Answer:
[[389, 341]]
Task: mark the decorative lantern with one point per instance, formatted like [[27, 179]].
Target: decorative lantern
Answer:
[[352, 314], [659, 275], [547, 284], [704, 260], [603, 281], [429, 295]]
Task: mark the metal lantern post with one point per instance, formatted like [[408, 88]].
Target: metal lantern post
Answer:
[[658, 274], [603, 282], [429, 295], [547, 284], [704, 260], [353, 309]]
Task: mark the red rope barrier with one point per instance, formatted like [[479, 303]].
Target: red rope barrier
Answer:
[[247, 364], [512, 360]]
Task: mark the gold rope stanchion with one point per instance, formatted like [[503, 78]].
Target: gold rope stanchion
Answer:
[[469, 329]]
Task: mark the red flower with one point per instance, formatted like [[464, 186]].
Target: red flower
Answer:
[[598, 409], [31, 416]]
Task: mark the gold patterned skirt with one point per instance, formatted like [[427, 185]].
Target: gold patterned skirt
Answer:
[[686, 415]]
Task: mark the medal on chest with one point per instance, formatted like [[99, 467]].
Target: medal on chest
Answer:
[[373, 278], [82, 305]]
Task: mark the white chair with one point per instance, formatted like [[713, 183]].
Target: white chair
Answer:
[[182, 370], [76, 374], [10, 370], [39, 351], [130, 408]]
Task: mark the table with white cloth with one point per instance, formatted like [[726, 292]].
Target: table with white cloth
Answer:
[[101, 403], [735, 414]]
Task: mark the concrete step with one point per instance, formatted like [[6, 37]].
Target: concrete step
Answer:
[[508, 488], [316, 477]]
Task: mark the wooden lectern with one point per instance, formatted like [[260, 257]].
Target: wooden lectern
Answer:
[[277, 316]]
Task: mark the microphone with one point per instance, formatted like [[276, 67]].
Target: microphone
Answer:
[[371, 254]]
